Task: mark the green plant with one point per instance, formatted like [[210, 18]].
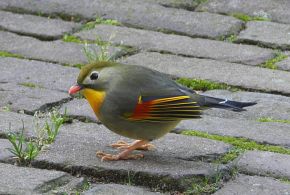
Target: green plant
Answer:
[[204, 85], [52, 127], [247, 18], [272, 63], [231, 155], [24, 151], [72, 38], [93, 55]]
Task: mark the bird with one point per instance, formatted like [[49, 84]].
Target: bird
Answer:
[[140, 103]]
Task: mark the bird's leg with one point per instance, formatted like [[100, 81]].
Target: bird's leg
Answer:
[[124, 155], [124, 145]]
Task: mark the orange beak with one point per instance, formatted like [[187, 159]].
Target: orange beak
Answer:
[[74, 89]]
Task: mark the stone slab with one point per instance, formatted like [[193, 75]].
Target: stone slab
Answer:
[[76, 145], [268, 105], [271, 133], [284, 64], [42, 74], [4, 153], [184, 4], [12, 122], [41, 27], [231, 73], [269, 34], [265, 164], [254, 185], [277, 10], [50, 51], [80, 109], [29, 100], [30, 180], [176, 44], [111, 189], [136, 13]]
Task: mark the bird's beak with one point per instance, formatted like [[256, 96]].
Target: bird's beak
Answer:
[[74, 89]]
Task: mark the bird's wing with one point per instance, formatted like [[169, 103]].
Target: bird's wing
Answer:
[[164, 108]]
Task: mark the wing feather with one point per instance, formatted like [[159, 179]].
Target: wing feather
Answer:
[[162, 109]]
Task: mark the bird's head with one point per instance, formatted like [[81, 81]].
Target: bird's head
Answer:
[[95, 76]]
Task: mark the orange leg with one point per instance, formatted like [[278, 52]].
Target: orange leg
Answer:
[[124, 145], [124, 155]]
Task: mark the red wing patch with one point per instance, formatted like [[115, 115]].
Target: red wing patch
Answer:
[[165, 109]]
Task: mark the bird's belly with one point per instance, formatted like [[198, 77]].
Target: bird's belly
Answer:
[[141, 130]]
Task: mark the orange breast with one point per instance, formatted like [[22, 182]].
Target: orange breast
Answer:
[[95, 98]]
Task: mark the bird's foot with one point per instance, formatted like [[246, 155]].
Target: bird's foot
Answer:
[[124, 145], [111, 157]]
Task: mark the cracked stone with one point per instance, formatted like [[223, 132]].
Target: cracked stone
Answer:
[[254, 185], [269, 34], [30, 180], [277, 11], [118, 189], [75, 149], [37, 26], [270, 132], [29, 100], [231, 73], [51, 51], [137, 13], [51, 76], [176, 44], [265, 164]]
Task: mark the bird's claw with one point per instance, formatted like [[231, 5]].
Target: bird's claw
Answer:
[[124, 145]]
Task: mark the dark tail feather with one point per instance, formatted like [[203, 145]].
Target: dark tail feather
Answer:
[[226, 104]]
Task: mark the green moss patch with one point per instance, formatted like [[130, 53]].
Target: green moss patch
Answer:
[[8, 54], [72, 38], [247, 18], [269, 119], [271, 63], [92, 24], [239, 143], [31, 85], [204, 85]]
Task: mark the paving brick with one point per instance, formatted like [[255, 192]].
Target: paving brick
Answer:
[[254, 185], [265, 164], [50, 51], [30, 180], [176, 44], [277, 11], [223, 72], [75, 149], [136, 13], [37, 26], [269, 34]]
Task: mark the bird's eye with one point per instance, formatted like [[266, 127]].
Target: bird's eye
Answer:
[[94, 75]]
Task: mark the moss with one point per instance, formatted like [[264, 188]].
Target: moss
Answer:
[[247, 18], [285, 180], [229, 156], [228, 38], [28, 84], [204, 85], [271, 63], [92, 24], [8, 54], [72, 38], [269, 119], [241, 143]]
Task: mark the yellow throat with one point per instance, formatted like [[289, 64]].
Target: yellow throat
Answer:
[[95, 99]]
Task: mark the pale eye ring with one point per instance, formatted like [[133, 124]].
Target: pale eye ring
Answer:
[[94, 75]]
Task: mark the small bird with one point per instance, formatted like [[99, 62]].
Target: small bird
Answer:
[[140, 103]]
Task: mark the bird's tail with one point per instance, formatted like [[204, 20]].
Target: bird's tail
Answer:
[[226, 104]]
